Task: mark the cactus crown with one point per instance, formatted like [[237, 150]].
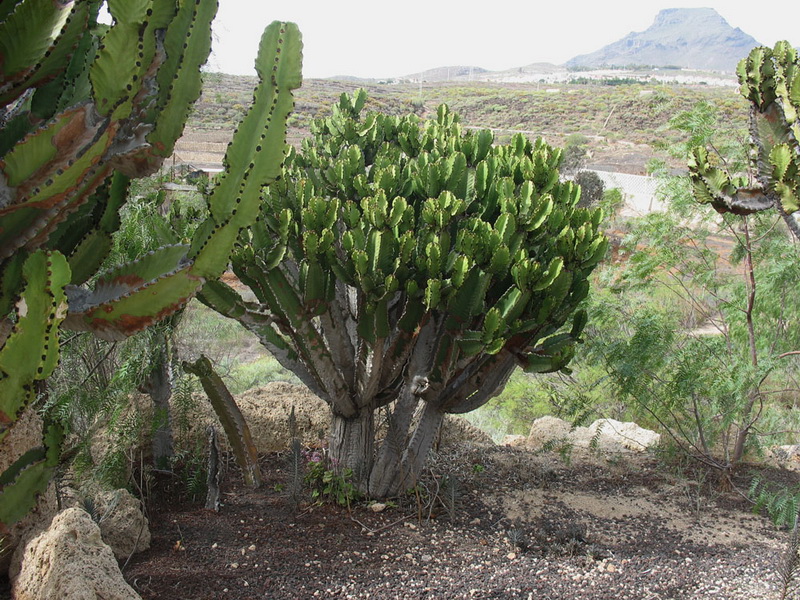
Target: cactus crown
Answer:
[[385, 227]]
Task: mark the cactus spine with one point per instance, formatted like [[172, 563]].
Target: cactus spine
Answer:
[[86, 108], [413, 261]]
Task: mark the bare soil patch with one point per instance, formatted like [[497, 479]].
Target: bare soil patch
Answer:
[[522, 525]]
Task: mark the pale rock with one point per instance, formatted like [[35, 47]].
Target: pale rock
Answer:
[[70, 561], [604, 434], [627, 435], [122, 523], [23, 436], [547, 430], [786, 455]]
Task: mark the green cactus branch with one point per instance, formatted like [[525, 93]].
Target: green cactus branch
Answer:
[[30, 351], [88, 106], [162, 283], [769, 80], [236, 429]]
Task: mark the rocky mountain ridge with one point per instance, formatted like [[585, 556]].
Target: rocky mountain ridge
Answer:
[[682, 39], [695, 38]]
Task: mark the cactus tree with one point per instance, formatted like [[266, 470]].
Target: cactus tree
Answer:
[[770, 80], [87, 107], [412, 264]]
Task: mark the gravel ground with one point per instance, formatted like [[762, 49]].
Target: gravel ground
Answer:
[[514, 525]]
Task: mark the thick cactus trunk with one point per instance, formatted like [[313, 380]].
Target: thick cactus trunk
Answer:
[[352, 443], [159, 387], [417, 451], [387, 472], [400, 459]]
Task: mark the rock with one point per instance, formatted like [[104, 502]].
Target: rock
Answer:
[[626, 435], [266, 410], [377, 507], [456, 429], [69, 560], [515, 441], [613, 436], [122, 524], [25, 435], [787, 456], [546, 430]]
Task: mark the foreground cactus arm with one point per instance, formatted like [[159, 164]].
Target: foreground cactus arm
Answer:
[[28, 355], [161, 283], [770, 80], [30, 351], [87, 107], [405, 260]]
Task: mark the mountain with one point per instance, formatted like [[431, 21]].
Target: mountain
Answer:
[[696, 38]]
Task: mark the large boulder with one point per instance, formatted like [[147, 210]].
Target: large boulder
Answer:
[[514, 441], [69, 560], [123, 525], [457, 430], [266, 410], [616, 434], [547, 430]]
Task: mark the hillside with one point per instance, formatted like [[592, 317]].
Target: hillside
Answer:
[[621, 123], [696, 38]]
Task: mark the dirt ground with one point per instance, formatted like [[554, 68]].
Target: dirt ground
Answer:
[[487, 522]]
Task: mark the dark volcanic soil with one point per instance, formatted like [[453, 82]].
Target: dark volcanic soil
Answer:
[[513, 525]]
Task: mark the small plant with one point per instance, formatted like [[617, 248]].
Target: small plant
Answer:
[[781, 505], [517, 536], [90, 506], [565, 540], [296, 468], [329, 483], [451, 495], [789, 569]]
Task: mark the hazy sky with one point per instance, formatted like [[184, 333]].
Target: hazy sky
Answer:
[[383, 39]]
